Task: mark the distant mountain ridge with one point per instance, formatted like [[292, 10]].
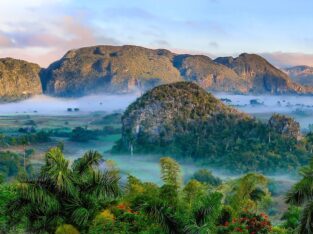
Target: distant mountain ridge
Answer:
[[261, 76], [18, 79], [125, 69], [301, 74]]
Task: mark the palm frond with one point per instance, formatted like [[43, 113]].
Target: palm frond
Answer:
[[80, 216], [35, 194], [159, 212], [90, 159], [306, 221], [301, 192], [105, 184], [206, 209]]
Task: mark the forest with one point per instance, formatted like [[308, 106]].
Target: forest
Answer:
[[89, 196]]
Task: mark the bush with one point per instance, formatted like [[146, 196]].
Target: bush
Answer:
[[249, 223], [206, 176]]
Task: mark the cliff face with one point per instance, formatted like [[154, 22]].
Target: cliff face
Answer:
[[261, 76], [302, 75], [18, 79], [122, 69]]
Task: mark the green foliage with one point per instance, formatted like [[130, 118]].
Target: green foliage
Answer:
[[193, 124], [292, 217], [12, 164], [25, 139], [301, 195], [247, 192], [206, 176], [81, 198], [81, 134], [62, 194], [7, 194], [170, 172]]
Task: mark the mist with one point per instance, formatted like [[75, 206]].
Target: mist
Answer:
[[47, 105], [298, 107]]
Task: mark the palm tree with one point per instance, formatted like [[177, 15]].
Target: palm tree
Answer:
[[61, 194], [247, 191], [178, 214], [301, 194]]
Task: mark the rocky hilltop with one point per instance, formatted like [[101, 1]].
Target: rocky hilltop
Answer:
[[261, 76], [121, 69], [185, 121], [18, 79], [301, 74]]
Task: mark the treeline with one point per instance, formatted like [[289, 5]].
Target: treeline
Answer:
[[25, 138], [82, 198], [224, 141]]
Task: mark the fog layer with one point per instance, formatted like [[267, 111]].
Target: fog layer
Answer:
[[46, 105]]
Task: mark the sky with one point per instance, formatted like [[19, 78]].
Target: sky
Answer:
[[42, 31]]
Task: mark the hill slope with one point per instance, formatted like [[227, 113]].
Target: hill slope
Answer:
[[18, 79], [183, 120]]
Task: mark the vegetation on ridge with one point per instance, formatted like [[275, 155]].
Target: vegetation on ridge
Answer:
[[183, 120]]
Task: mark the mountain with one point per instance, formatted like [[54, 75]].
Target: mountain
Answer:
[[18, 79], [209, 74], [111, 69], [261, 76], [302, 75], [122, 69], [183, 120]]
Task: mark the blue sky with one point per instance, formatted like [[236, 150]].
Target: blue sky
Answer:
[[43, 30]]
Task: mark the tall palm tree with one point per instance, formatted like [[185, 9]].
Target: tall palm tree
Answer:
[[301, 194], [64, 195]]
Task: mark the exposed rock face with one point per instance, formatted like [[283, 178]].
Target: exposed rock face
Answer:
[[18, 79], [285, 125], [121, 69], [168, 111], [209, 74], [124, 69], [111, 69], [302, 75], [261, 76]]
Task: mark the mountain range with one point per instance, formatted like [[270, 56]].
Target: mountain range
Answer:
[[124, 69], [301, 74]]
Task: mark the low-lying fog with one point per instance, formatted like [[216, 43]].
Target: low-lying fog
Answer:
[[299, 107], [263, 106], [46, 105], [147, 168]]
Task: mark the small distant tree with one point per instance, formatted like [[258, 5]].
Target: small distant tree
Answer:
[[81, 134]]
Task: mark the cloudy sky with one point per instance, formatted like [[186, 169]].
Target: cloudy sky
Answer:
[[42, 31]]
